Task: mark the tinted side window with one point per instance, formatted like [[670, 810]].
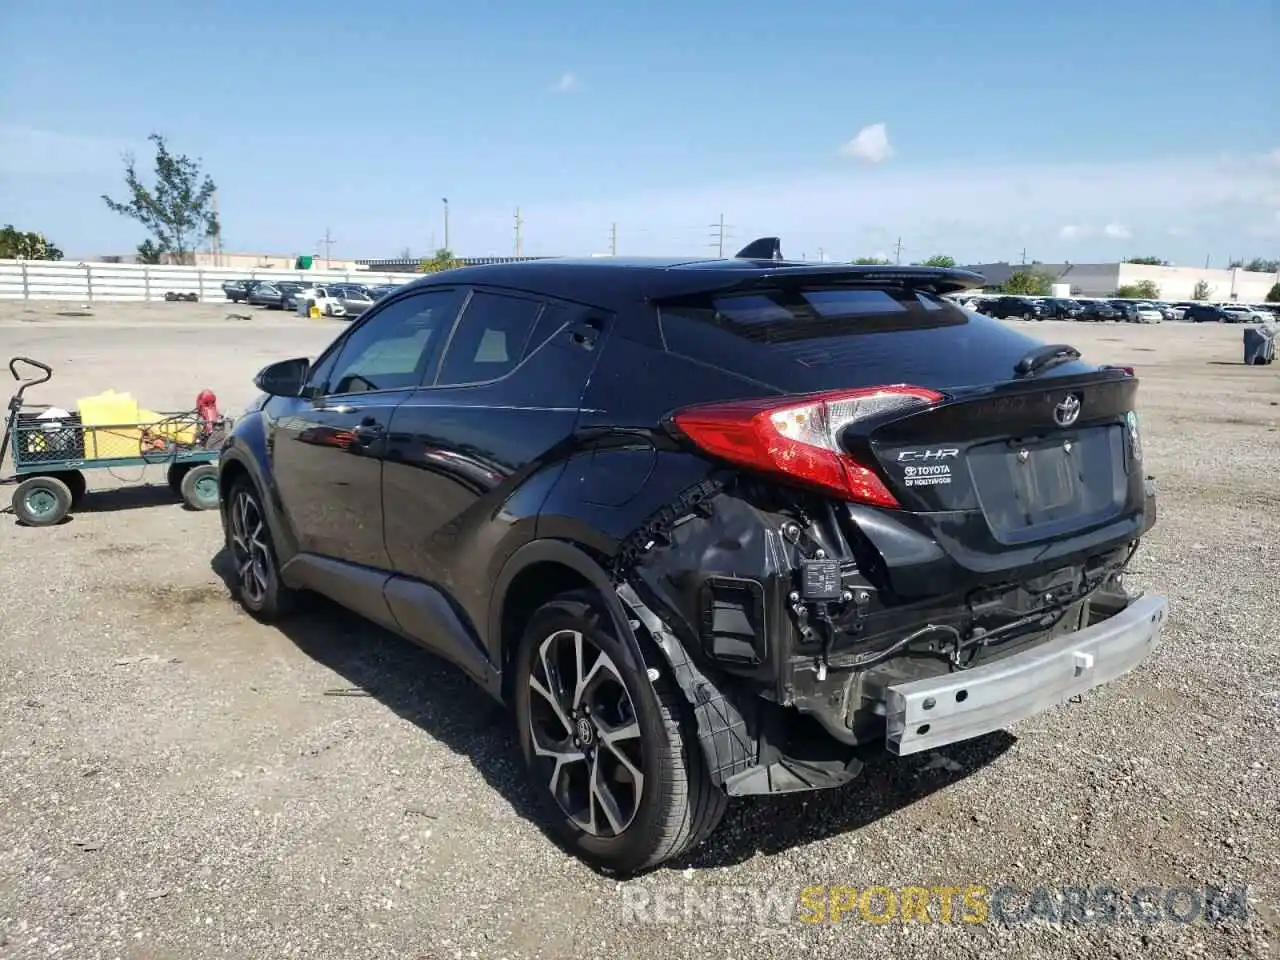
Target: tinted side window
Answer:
[[490, 340], [394, 348]]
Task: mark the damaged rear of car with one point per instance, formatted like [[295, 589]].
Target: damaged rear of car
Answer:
[[879, 522]]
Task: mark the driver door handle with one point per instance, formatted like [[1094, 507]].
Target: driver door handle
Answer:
[[369, 430]]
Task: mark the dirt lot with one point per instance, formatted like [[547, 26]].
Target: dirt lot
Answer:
[[179, 781]]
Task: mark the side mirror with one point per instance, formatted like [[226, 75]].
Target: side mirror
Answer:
[[283, 379]]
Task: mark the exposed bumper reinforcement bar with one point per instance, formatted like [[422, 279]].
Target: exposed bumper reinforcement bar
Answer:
[[928, 713]]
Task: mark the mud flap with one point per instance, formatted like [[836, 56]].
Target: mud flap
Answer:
[[723, 733]]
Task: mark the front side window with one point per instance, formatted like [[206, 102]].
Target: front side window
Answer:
[[395, 347]]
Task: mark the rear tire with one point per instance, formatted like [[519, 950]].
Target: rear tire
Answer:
[[625, 788], [257, 585], [199, 487]]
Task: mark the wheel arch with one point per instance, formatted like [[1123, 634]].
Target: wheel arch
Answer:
[[723, 733], [533, 575], [238, 461]]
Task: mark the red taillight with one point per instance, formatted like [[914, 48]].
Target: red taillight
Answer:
[[1128, 370], [798, 438]]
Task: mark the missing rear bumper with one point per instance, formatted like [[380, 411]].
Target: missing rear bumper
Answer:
[[932, 712]]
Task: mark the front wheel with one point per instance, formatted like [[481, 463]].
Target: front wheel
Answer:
[[41, 501], [624, 786], [257, 584]]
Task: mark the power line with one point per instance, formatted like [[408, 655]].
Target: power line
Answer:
[[720, 235]]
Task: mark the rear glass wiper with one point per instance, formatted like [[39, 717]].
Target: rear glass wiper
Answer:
[[1043, 358]]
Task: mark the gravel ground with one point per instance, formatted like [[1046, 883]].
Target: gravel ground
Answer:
[[182, 782]]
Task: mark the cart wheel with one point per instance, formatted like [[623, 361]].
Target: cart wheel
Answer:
[[175, 475], [41, 501], [200, 487]]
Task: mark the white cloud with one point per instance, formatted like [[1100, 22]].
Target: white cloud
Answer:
[[1073, 232], [567, 83], [871, 144], [1117, 231], [1177, 232], [28, 151]]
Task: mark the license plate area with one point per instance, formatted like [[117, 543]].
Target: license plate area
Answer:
[[1034, 488]]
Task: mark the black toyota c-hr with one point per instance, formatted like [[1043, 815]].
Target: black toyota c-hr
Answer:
[[709, 527]]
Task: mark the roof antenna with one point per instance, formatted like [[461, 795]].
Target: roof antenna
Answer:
[[765, 248]]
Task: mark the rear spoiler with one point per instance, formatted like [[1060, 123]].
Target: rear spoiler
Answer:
[[768, 252]]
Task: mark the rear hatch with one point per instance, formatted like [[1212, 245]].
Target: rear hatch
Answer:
[[996, 442]]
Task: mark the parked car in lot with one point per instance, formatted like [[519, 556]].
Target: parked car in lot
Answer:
[[1207, 313], [1100, 310], [274, 294], [1244, 313], [355, 299], [383, 289], [1014, 308], [334, 299], [1147, 312], [235, 290], [1055, 308], [1127, 309], [710, 528]]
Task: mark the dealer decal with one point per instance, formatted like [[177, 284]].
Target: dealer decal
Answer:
[[927, 476], [927, 467]]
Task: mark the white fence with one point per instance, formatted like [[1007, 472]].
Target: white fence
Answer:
[[126, 282]]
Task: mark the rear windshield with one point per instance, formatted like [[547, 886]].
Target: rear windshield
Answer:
[[817, 338]]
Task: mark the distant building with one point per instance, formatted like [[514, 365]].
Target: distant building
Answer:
[[1104, 279]]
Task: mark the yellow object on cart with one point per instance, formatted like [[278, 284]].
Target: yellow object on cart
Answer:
[[115, 427]]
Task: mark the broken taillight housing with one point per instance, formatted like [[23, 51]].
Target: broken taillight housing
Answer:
[[797, 438]]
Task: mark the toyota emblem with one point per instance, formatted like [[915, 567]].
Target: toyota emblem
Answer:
[[1068, 411]]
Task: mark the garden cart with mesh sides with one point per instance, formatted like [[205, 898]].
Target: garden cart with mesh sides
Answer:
[[52, 448]]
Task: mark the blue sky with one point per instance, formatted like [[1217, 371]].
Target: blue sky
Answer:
[[1084, 131]]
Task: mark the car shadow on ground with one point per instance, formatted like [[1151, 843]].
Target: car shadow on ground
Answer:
[[443, 702]]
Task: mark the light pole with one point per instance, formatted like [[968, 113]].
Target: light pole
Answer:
[[445, 201]]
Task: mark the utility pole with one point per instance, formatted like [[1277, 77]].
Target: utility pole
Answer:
[[821, 256], [1024, 256], [327, 242], [897, 252], [613, 239], [519, 224], [445, 201], [720, 236]]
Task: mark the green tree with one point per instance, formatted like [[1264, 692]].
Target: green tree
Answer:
[[1148, 261], [443, 260], [938, 260], [18, 244], [1142, 290], [1273, 295], [870, 262], [1259, 265], [1201, 290], [148, 252], [178, 211], [1028, 283]]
